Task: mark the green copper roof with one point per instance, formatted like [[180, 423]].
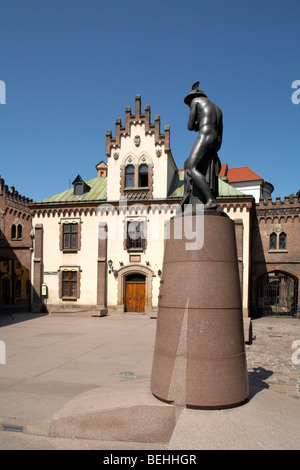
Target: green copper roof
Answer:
[[96, 193], [176, 188]]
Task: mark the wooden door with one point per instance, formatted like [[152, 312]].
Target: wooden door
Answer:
[[135, 297]]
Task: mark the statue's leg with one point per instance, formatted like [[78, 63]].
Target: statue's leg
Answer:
[[199, 153]]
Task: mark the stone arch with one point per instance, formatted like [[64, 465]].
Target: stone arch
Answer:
[[277, 292], [144, 157], [132, 269]]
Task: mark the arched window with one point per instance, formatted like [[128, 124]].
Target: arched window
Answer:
[[19, 231], [143, 176], [13, 232], [273, 241], [129, 176], [282, 241]]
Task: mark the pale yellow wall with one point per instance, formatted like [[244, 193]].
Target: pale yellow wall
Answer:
[[245, 217], [163, 166]]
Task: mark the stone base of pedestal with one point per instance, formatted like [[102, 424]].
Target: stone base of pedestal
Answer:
[[199, 357]]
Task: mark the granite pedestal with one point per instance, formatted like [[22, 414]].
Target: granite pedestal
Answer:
[[199, 357]]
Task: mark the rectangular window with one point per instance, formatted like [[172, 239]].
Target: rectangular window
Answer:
[[69, 284], [135, 235], [70, 236]]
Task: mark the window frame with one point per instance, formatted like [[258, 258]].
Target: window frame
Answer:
[[272, 241], [69, 283], [139, 243], [275, 242], [142, 174], [131, 174], [282, 237], [69, 276], [68, 248]]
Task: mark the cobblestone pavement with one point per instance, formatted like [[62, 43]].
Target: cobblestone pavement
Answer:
[[273, 358]]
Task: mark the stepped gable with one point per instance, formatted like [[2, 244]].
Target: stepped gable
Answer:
[[137, 118]]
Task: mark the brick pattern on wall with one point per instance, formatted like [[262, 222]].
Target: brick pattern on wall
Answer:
[[14, 209], [279, 216], [102, 266], [37, 269]]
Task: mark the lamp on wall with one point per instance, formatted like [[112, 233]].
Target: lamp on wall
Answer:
[[121, 263], [110, 263]]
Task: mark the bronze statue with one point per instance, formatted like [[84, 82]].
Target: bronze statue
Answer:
[[202, 167]]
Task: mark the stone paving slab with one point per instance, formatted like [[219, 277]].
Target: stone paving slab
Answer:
[[60, 367], [271, 356]]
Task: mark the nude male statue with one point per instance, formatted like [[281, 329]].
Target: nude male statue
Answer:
[[203, 165]]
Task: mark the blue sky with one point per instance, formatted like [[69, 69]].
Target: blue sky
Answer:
[[72, 66]]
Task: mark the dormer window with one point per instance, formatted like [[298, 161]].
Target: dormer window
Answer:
[[78, 189], [80, 186]]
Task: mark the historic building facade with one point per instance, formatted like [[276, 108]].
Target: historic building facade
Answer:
[[15, 244], [100, 243], [276, 257]]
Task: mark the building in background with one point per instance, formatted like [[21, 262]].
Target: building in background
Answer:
[[15, 245], [99, 244], [246, 181]]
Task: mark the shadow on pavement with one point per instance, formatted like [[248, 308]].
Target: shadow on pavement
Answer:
[[17, 314], [256, 379]]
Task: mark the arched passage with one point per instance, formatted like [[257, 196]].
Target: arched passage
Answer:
[[277, 294]]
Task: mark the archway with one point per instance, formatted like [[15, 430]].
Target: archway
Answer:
[[138, 274], [277, 294], [135, 290]]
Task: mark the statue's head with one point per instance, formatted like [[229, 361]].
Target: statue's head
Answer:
[[194, 93]]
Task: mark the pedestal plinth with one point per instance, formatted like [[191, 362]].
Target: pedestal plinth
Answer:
[[199, 357]]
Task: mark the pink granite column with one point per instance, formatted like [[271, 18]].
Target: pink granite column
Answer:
[[199, 357]]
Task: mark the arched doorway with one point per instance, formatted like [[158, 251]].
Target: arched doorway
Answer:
[[277, 294], [135, 293]]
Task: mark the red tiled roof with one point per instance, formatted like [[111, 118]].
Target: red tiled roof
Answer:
[[238, 174], [242, 173], [224, 169]]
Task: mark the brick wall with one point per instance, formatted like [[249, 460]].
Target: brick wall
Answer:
[[276, 217]]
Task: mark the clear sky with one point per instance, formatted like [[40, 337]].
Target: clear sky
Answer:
[[72, 66]]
